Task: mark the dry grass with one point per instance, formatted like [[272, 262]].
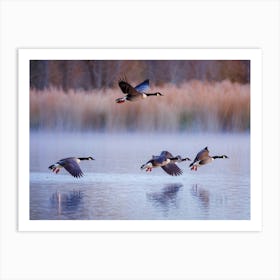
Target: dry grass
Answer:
[[195, 105]]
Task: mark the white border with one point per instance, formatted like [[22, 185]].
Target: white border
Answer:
[[254, 55]]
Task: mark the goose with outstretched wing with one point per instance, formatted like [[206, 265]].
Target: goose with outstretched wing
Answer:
[[135, 93], [203, 158], [167, 162], [71, 164]]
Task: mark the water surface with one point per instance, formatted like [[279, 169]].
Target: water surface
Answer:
[[115, 188]]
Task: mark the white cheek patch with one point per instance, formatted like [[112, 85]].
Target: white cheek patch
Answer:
[[144, 96]]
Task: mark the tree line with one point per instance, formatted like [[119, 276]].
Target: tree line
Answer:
[[97, 74]]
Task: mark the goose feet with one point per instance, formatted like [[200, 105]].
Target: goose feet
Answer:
[[55, 170], [194, 168]]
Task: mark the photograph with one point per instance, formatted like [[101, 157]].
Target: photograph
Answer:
[[139, 139]]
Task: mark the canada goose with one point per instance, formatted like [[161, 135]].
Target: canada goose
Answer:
[[71, 164], [166, 161], [203, 157], [135, 93]]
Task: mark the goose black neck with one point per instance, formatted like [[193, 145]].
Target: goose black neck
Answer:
[[174, 158], [214, 157]]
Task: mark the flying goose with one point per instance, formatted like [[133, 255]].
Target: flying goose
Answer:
[[71, 164], [203, 157], [166, 161], [135, 93]]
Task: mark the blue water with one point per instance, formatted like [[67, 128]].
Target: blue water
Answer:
[[115, 188]]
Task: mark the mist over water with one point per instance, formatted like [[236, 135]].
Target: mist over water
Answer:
[[114, 187]]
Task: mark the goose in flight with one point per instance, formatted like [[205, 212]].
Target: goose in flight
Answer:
[[135, 93], [202, 158], [167, 162], [71, 164]]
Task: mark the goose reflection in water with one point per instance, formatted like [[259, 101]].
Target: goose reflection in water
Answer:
[[201, 194], [66, 202], [165, 198]]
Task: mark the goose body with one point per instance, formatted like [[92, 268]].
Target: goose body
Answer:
[[203, 158], [71, 164], [166, 161], [135, 93]]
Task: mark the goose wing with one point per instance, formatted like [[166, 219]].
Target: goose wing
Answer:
[[127, 88], [201, 155], [172, 169], [72, 167], [166, 154], [157, 160], [143, 87]]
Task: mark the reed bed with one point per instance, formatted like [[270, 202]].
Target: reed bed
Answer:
[[193, 106]]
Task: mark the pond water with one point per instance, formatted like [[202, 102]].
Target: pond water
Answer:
[[115, 188]]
